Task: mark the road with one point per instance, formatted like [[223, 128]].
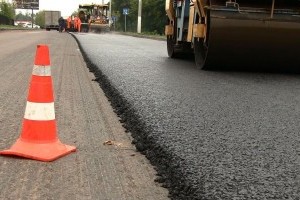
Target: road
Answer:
[[221, 134], [84, 118]]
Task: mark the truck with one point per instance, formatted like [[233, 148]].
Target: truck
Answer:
[[51, 19], [234, 33]]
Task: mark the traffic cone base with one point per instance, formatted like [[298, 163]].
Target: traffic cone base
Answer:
[[38, 138], [39, 151]]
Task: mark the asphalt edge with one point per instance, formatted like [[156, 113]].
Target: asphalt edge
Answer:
[[168, 175], [138, 35]]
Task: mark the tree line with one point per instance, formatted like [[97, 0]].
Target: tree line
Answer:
[[153, 15], [7, 13]]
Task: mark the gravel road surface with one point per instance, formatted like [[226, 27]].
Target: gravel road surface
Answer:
[[85, 119], [211, 134]]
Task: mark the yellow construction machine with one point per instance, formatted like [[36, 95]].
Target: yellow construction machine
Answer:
[[94, 17], [222, 33]]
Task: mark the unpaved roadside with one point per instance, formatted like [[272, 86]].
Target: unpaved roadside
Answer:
[[98, 170]]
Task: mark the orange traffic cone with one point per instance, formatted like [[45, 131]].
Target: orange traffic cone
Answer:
[[38, 138]]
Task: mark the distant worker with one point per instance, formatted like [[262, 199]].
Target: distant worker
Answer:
[[69, 23], [79, 24], [76, 23], [61, 23]]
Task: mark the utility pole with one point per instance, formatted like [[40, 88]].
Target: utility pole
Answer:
[[31, 6], [139, 25], [125, 23], [110, 10], [32, 17]]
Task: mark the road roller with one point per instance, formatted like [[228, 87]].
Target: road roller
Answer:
[[94, 17], [234, 33]]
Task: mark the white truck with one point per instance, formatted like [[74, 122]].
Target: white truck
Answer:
[[51, 19]]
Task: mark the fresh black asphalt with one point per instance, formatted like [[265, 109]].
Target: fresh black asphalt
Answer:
[[211, 134]]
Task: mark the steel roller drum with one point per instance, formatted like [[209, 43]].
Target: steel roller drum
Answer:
[[254, 40], [98, 28]]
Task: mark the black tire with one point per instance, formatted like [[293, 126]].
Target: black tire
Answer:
[[201, 46], [200, 53], [171, 41]]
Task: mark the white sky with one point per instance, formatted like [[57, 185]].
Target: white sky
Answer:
[[67, 7]]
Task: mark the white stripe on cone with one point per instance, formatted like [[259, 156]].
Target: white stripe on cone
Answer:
[[41, 70], [39, 111]]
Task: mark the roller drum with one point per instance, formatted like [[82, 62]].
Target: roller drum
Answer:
[[237, 39]]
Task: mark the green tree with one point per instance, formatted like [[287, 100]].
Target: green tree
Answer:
[[7, 9], [153, 15], [40, 18], [21, 17], [117, 11]]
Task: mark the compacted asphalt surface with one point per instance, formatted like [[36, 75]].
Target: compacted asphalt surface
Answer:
[[221, 134]]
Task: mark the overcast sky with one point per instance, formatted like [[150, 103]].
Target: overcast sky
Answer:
[[67, 7]]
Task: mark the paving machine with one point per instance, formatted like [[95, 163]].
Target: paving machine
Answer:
[[94, 17], [222, 33]]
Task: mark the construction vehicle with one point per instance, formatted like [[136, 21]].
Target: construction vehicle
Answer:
[[94, 17], [225, 33]]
